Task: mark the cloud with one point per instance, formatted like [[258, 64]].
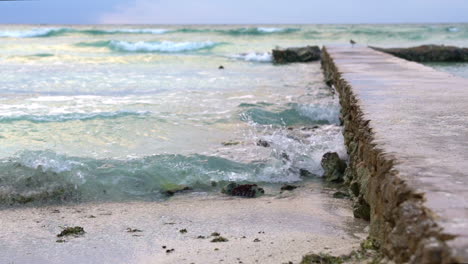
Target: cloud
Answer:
[[291, 11], [169, 12]]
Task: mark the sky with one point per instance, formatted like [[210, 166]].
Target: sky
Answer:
[[232, 11]]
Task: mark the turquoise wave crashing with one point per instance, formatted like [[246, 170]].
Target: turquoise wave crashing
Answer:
[[296, 114], [38, 176], [152, 46], [252, 31]]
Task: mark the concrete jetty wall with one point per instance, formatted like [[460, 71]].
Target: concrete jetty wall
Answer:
[[406, 130]]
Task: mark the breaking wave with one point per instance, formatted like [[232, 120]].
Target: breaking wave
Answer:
[[45, 175], [155, 31], [156, 46], [53, 32], [296, 115], [35, 33], [241, 31]]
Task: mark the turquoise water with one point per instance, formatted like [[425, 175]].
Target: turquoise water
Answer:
[[121, 112]]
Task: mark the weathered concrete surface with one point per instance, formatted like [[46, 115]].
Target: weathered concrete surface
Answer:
[[406, 128]]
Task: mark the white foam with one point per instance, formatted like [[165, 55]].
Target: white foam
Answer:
[[453, 29], [139, 31], [47, 162], [270, 29], [321, 112], [254, 56]]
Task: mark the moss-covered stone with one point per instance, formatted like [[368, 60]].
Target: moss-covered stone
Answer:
[[333, 167], [230, 143], [361, 209], [171, 189], [288, 187], [219, 239], [302, 54], [72, 231], [243, 190], [340, 195], [321, 259]]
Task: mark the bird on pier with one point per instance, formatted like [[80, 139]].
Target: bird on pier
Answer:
[[352, 42]]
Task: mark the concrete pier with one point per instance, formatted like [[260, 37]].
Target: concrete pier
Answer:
[[406, 129]]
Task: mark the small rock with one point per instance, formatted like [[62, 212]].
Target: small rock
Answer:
[[170, 250], [183, 231], [263, 143], [215, 234], [201, 237], [230, 143], [74, 231], [309, 128], [333, 166], [60, 241], [219, 239], [340, 195], [175, 188], [243, 190], [305, 173], [221, 67], [256, 240], [288, 187], [133, 230]]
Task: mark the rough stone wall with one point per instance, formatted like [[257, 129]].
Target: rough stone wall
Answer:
[[405, 229]]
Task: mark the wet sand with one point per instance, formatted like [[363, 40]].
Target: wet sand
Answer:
[[270, 229]]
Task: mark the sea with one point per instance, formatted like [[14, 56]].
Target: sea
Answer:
[[126, 112]]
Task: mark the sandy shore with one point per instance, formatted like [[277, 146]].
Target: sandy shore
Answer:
[[270, 229]]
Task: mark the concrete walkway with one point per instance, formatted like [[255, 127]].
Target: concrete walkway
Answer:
[[419, 117]]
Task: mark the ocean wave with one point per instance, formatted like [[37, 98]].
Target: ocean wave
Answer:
[[36, 33], [154, 31], [453, 29], [254, 56], [298, 114], [53, 32], [46, 175], [241, 31], [258, 31], [156, 46], [65, 117]]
